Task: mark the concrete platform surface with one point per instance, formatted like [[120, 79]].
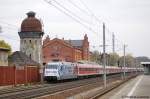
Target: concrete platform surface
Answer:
[[138, 88]]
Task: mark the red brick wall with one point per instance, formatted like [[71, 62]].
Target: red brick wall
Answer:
[[10, 75], [58, 51], [78, 55]]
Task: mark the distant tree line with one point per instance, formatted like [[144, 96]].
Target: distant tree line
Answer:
[[113, 59]]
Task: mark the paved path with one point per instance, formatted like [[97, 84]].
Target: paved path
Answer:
[[138, 88]]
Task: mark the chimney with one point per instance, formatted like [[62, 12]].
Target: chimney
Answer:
[[31, 14], [70, 41], [85, 37], [47, 39]]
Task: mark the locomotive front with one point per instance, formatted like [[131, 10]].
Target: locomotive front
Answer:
[[51, 72]]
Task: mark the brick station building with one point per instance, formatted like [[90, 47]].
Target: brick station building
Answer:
[[65, 50]]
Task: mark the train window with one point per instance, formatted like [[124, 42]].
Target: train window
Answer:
[[51, 66], [88, 69], [61, 68]]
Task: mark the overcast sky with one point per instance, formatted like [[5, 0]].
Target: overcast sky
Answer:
[[128, 19]]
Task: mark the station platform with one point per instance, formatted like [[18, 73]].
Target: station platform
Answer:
[[137, 88]]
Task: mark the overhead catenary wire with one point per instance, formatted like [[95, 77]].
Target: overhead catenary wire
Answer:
[[8, 27], [82, 10], [118, 42], [50, 2], [95, 17], [5, 25], [14, 26], [94, 21], [86, 7], [75, 19], [107, 29], [11, 38], [11, 27], [91, 13], [81, 19], [71, 15], [111, 33]]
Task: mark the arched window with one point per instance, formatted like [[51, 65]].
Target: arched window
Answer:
[[30, 56], [24, 41], [35, 41]]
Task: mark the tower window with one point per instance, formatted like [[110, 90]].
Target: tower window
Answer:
[[30, 56], [35, 41], [30, 41], [24, 41]]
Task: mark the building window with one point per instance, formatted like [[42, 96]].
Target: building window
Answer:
[[55, 47], [55, 54], [24, 41], [30, 56], [5, 58], [1, 58], [87, 50], [35, 41], [30, 41]]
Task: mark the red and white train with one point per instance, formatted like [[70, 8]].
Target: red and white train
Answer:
[[68, 70]]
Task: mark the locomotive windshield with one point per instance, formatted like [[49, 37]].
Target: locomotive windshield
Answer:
[[51, 66]]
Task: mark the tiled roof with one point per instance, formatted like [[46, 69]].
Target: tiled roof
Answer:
[[21, 59], [31, 23], [75, 43], [4, 49]]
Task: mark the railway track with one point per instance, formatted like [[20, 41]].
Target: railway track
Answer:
[[69, 94], [35, 92], [108, 89], [21, 88], [50, 89]]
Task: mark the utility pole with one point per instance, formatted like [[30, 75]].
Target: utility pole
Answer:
[[136, 66], [104, 56], [113, 43], [0, 29], [124, 59]]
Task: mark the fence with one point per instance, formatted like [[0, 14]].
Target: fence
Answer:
[[11, 75]]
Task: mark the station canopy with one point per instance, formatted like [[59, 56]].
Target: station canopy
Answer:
[[146, 66], [145, 63]]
